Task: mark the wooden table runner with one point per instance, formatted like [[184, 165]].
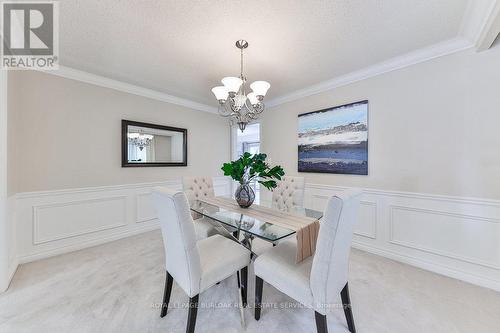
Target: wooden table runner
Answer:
[[306, 228]]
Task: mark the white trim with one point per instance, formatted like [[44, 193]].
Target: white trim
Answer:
[[82, 245], [393, 240], [36, 221], [429, 266], [101, 81], [431, 52], [477, 16], [36, 194], [373, 232], [490, 30], [413, 195]]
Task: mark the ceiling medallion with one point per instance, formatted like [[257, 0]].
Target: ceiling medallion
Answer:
[[234, 102]]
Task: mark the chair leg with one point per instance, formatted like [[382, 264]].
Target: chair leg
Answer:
[[244, 285], [193, 311], [320, 322], [346, 302], [259, 284], [166, 295]]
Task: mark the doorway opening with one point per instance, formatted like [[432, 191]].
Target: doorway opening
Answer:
[[248, 141]]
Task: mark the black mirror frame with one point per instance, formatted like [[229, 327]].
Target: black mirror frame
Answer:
[[125, 162]]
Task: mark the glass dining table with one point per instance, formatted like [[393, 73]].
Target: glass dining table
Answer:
[[243, 228]]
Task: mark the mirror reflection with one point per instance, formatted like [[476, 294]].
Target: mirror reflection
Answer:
[[154, 145]]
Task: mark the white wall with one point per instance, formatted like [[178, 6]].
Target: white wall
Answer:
[[4, 223], [433, 127], [433, 145], [65, 184], [67, 134]]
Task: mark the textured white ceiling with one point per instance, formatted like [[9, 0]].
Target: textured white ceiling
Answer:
[[183, 48]]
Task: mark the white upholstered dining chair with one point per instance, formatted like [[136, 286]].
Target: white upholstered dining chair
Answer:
[[316, 281], [194, 265], [289, 194], [199, 188]]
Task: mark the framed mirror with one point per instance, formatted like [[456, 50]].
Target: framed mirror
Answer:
[[151, 145]]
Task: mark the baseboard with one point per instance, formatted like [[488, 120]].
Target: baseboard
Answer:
[[85, 244], [432, 267]]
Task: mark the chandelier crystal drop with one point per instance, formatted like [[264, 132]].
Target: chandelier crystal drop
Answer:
[[234, 102]]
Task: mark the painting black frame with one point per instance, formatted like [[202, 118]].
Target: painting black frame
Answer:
[[367, 139], [127, 164]]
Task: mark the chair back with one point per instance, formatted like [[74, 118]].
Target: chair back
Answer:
[[182, 258], [289, 194], [198, 188], [331, 260]]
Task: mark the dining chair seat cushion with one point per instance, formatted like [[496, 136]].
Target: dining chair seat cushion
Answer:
[[220, 257], [203, 228], [278, 268]]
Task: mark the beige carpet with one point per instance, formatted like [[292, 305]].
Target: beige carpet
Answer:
[[116, 287]]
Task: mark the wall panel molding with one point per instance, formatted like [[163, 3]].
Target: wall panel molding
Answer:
[[413, 244], [55, 222], [75, 206], [392, 224], [453, 236]]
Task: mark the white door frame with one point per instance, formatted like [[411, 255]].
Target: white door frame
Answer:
[[234, 137]]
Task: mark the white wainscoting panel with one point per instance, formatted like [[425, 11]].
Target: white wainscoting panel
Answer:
[[145, 209], [457, 237], [454, 235], [54, 222]]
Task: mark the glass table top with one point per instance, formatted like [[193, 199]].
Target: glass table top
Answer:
[[251, 225]]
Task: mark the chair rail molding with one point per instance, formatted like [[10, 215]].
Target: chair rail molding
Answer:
[[452, 236]]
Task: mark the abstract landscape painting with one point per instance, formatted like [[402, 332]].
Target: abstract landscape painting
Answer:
[[335, 140]]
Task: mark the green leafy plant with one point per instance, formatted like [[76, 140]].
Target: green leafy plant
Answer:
[[253, 167]]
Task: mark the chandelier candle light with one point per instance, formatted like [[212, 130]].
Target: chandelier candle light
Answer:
[[233, 100]]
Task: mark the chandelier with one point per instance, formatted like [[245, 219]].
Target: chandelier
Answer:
[[140, 140], [234, 102]]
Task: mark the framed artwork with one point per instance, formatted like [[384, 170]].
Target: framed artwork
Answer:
[[334, 140]]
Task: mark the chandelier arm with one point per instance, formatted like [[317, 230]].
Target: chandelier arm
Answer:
[[238, 106], [260, 108], [224, 111]]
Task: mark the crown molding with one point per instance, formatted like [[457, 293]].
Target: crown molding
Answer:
[[78, 75], [409, 59], [490, 29], [478, 21]]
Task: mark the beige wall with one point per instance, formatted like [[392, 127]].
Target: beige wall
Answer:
[[163, 148], [67, 134], [433, 127]]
